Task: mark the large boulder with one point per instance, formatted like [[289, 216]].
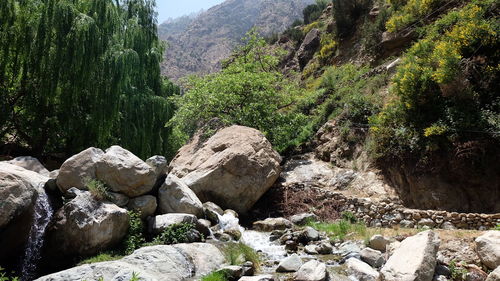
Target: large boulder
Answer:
[[362, 271], [155, 263], [145, 205], [233, 168], [159, 164], [161, 222], [19, 189], [124, 172], [271, 224], [31, 164], [414, 259], [290, 264], [494, 275], [488, 248], [312, 271], [176, 197], [79, 169], [84, 227]]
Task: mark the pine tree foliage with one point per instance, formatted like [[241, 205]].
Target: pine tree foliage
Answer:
[[76, 73]]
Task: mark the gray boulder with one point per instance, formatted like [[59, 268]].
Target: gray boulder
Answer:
[[309, 46], [308, 234], [488, 248], [176, 197], [155, 263], [302, 219], [124, 172], [117, 198], [378, 242], [271, 224], [212, 212], [266, 277], [31, 164], [233, 168], [362, 271], [159, 223], [159, 165], [145, 205], [414, 259], [372, 257], [494, 275], [312, 271], [290, 264], [84, 227], [79, 169]]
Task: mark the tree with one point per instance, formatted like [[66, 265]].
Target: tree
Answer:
[[76, 73], [250, 91]]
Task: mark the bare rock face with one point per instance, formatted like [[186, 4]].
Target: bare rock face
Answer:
[[312, 271], [494, 275], [488, 248], [233, 168], [145, 205], [362, 271], [84, 227], [309, 46], [124, 172], [172, 263], [176, 197], [413, 260], [78, 169], [30, 163]]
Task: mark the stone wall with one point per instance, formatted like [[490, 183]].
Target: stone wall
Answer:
[[384, 214]]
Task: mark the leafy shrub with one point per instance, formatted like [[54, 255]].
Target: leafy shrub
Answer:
[[346, 13], [174, 234], [216, 276], [238, 253], [340, 229], [372, 31], [328, 47], [295, 34], [98, 189], [349, 216], [312, 25], [135, 236], [5, 277], [437, 99], [249, 91], [311, 13]]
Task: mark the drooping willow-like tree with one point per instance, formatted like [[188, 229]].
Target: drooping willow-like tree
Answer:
[[79, 73]]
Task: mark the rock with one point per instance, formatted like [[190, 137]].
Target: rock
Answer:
[[488, 248], [234, 272], [145, 205], [172, 263], [117, 198], [308, 47], [234, 233], [378, 242], [372, 257], [84, 227], [290, 264], [426, 222], [30, 164], [304, 218], [442, 270], [308, 234], [494, 275], [266, 277], [271, 224], [414, 259], [324, 248], [448, 226], [124, 172], [348, 248], [54, 174], [291, 246], [18, 191], [440, 278], [159, 165], [79, 169], [231, 212], [205, 223], [475, 273], [248, 268], [212, 212], [233, 168], [175, 197], [203, 227], [407, 223], [391, 248], [391, 41], [159, 223], [362, 271], [311, 249], [312, 271]]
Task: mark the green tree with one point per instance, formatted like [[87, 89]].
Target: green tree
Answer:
[[250, 91], [76, 73]]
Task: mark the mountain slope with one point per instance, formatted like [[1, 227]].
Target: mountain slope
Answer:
[[210, 37]]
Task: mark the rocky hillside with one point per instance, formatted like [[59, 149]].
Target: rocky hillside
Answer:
[[197, 46]]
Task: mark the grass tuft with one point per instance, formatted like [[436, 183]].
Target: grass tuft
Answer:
[[238, 253]]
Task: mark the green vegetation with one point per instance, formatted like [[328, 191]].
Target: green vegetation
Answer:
[[250, 91], [98, 189], [216, 276], [238, 253], [313, 12], [346, 13], [135, 236], [497, 227], [458, 273], [439, 100], [107, 256], [176, 233], [5, 277], [80, 73], [340, 229]]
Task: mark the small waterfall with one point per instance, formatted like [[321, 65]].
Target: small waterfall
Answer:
[[42, 216]]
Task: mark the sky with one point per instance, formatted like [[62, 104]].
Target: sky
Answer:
[[176, 8]]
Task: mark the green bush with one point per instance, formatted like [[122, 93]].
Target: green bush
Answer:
[[108, 256], [238, 253], [5, 277], [346, 13], [340, 229], [174, 234], [135, 236], [98, 189], [216, 276], [311, 13]]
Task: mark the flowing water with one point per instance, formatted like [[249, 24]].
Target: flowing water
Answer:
[[42, 216]]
